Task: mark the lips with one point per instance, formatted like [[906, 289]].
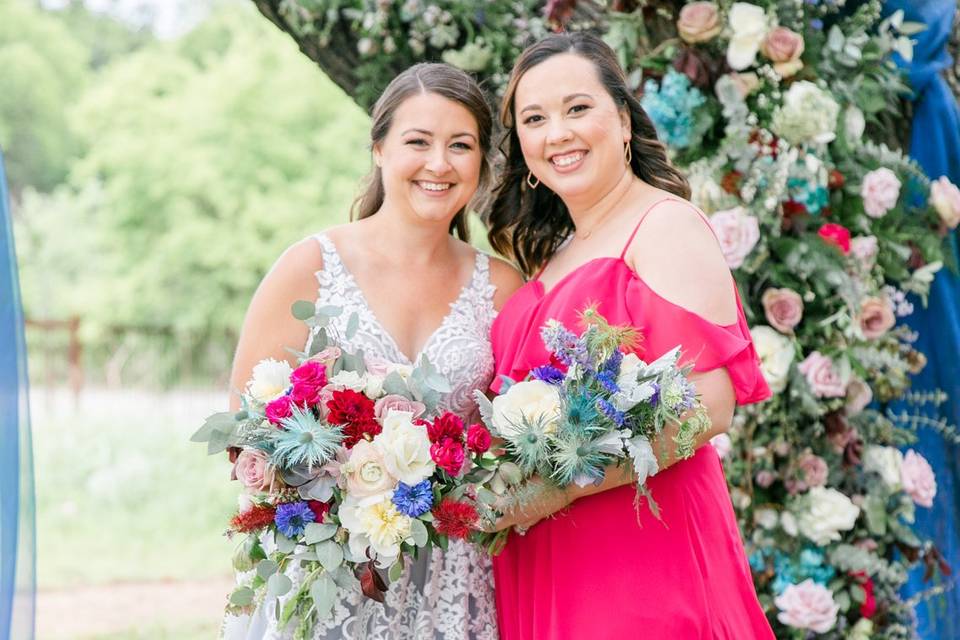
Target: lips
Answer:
[[434, 188]]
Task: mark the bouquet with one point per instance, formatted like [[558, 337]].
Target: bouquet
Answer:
[[594, 405], [348, 468]]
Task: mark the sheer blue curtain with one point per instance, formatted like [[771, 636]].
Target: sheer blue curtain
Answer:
[[935, 145], [17, 573]]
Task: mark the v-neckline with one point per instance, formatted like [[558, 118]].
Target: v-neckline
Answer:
[[383, 329]]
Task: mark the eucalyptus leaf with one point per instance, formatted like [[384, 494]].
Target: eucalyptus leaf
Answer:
[[395, 384], [284, 544], [486, 496], [303, 310], [485, 407], [438, 383], [316, 532], [323, 591], [266, 568], [278, 585], [418, 531], [320, 342], [352, 325], [242, 596], [330, 554], [396, 570]]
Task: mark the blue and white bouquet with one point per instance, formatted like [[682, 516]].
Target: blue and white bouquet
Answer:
[[595, 404]]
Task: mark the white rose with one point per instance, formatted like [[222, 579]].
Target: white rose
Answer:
[[270, 380], [365, 471], [766, 518], [788, 522], [885, 461], [776, 355], [807, 605], [405, 448], [854, 123], [749, 25], [374, 386], [349, 380], [827, 513], [533, 401], [375, 523]]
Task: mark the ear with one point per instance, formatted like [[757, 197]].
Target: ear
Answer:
[[625, 124], [377, 156]]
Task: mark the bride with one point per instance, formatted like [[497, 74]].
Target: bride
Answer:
[[419, 292]]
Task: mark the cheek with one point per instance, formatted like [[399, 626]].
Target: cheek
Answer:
[[531, 146], [468, 168]]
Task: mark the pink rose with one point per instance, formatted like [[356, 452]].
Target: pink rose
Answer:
[[945, 198], [807, 605], [814, 469], [448, 454], [880, 191], [393, 402], [721, 442], [822, 376], [765, 478], [918, 479], [478, 438], [864, 249], [305, 394], [784, 47], [277, 410], [326, 357], [746, 83], [738, 233], [837, 235], [253, 470], [699, 22], [876, 317], [859, 396], [783, 308]]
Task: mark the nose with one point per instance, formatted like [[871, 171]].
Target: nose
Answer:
[[558, 133], [437, 162]]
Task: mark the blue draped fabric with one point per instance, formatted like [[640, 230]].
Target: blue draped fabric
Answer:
[[935, 145], [17, 555]]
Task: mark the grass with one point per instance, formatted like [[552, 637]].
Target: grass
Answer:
[[122, 495]]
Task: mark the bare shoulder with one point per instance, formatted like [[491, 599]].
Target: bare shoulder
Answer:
[[677, 255], [506, 278], [294, 271]]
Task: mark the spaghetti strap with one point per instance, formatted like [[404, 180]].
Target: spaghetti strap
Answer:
[[643, 217]]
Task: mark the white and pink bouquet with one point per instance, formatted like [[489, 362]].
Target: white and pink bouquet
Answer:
[[347, 467], [596, 404]]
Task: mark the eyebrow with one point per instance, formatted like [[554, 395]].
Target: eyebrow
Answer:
[[566, 99], [430, 133]]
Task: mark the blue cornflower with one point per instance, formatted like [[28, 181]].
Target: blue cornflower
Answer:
[[608, 381], [548, 374], [611, 411], [293, 517], [413, 501]]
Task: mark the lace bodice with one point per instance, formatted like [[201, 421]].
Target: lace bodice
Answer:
[[459, 348], [443, 595]]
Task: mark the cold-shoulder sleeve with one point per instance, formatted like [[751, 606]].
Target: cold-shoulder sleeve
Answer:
[[664, 325]]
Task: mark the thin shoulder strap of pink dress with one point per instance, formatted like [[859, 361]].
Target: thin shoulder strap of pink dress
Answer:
[[643, 217]]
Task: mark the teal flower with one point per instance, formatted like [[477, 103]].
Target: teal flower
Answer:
[[302, 439]]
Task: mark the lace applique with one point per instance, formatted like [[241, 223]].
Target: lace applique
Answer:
[[447, 595]]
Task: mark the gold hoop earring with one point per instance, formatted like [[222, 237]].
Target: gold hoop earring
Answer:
[[628, 154], [530, 182]]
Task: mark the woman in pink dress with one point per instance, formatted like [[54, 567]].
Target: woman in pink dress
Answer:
[[591, 207]]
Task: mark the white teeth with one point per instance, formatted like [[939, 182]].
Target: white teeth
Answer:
[[435, 186], [566, 161]]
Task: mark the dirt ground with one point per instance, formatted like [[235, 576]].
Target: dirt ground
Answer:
[[85, 612]]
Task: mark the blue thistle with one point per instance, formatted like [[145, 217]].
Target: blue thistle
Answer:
[[531, 446], [413, 501], [577, 460], [548, 374], [292, 518], [302, 439], [580, 410]]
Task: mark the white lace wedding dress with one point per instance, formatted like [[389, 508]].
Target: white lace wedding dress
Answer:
[[445, 595]]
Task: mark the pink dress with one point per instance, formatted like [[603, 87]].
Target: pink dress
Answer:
[[592, 572]]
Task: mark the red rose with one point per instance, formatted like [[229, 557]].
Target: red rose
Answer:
[[455, 519], [277, 410], [354, 412], [835, 180], [869, 605], [448, 455], [446, 426], [837, 235], [320, 509], [794, 208], [478, 438]]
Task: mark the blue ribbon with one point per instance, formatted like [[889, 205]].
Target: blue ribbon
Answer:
[[17, 572]]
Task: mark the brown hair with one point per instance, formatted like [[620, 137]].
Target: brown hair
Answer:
[[528, 225], [445, 81]]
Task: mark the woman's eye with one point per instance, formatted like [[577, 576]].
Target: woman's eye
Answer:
[[463, 146], [579, 108], [533, 119], [417, 142]]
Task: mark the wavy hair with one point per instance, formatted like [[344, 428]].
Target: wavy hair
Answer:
[[445, 81], [528, 225]]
